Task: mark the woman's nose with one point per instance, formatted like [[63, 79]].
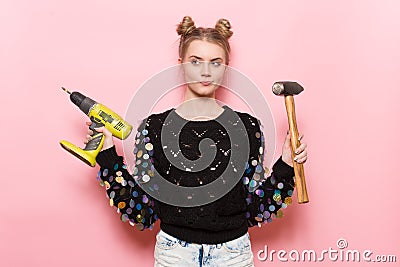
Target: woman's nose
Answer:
[[205, 69]]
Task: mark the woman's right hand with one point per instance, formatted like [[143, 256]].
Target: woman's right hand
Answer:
[[108, 137]]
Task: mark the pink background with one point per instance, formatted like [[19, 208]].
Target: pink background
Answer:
[[345, 53]]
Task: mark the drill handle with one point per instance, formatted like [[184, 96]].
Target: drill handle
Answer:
[[96, 143], [95, 124]]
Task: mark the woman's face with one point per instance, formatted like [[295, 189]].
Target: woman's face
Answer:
[[204, 68]]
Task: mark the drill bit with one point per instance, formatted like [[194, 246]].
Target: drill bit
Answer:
[[66, 90]]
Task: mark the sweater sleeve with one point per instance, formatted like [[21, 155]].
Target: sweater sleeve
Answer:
[[123, 191], [266, 196]]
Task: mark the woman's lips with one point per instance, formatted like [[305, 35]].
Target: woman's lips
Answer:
[[206, 83]]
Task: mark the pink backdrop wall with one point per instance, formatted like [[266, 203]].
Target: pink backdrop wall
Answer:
[[345, 53]]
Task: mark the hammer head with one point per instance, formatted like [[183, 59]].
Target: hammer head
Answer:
[[287, 88]]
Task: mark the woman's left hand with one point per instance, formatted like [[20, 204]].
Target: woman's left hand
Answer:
[[300, 152]]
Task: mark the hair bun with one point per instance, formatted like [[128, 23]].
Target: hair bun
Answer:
[[186, 26], [224, 27]]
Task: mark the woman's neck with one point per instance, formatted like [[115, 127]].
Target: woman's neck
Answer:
[[199, 108]]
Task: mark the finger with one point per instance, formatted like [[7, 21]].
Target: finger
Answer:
[[301, 148], [302, 157], [301, 137], [88, 137], [88, 123], [103, 130], [90, 132]]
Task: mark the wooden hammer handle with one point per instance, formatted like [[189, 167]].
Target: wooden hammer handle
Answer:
[[300, 180]]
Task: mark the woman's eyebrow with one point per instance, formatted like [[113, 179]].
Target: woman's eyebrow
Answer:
[[201, 58]]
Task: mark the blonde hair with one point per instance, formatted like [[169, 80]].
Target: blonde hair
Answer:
[[218, 35]]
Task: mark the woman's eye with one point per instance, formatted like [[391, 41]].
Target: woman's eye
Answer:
[[216, 63], [195, 62]]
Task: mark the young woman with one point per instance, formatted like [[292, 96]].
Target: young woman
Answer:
[[216, 233]]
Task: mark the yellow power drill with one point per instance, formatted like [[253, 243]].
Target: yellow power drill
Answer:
[[100, 116]]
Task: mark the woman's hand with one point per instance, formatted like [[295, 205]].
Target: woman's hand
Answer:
[[108, 137], [300, 152]]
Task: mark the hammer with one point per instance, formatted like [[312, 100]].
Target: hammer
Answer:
[[288, 89]]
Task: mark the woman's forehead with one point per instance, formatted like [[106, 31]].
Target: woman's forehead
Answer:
[[205, 50]]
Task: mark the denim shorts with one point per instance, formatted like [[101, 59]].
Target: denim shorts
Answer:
[[170, 251]]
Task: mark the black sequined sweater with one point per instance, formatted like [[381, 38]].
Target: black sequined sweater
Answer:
[[255, 198]]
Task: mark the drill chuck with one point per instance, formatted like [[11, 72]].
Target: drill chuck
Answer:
[[83, 102]]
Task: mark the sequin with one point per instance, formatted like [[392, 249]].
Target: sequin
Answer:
[[273, 181], [140, 226], [111, 202], [135, 194], [259, 168], [105, 172], [146, 139], [246, 180], [271, 208], [266, 214], [139, 154], [122, 192], [258, 135], [131, 203], [124, 182], [288, 200], [262, 207], [145, 178], [135, 171], [279, 214], [118, 173], [110, 179], [259, 218], [121, 205], [280, 185], [138, 206], [256, 177], [254, 162], [261, 150], [276, 197], [260, 192], [119, 179], [146, 156], [129, 211], [149, 146], [112, 194], [102, 183], [145, 132], [145, 199], [124, 217], [139, 218], [116, 166], [253, 183], [145, 164], [107, 185], [290, 192]]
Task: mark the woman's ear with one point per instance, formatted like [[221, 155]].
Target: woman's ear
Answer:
[[179, 60]]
